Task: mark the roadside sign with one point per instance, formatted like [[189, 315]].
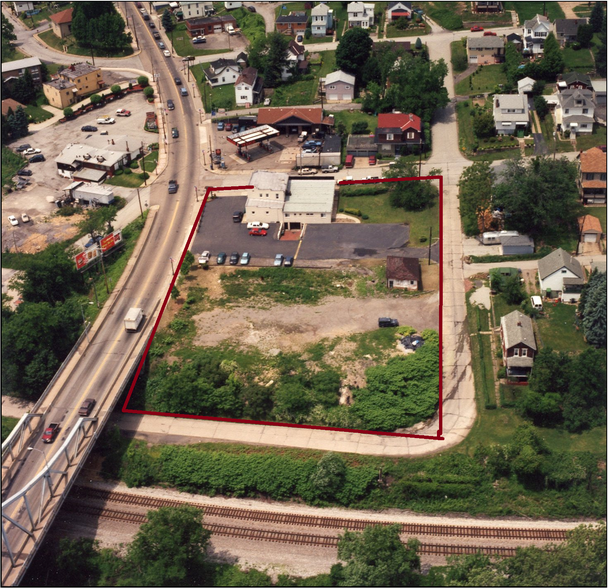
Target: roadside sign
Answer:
[[83, 259]]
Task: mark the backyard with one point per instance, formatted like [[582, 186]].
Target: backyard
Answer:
[[558, 145], [558, 329], [528, 10], [484, 79], [459, 57], [412, 31], [53, 41], [350, 117], [453, 15], [579, 60], [595, 139], [183, 45], [213, 98]]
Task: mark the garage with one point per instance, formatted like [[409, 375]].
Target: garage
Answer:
[[217, 28], [473, 59]]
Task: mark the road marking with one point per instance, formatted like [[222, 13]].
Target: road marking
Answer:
[[297, 250]]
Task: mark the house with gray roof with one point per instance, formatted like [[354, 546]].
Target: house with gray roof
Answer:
[[338, 86], [561, 276], [485, 50], [222, 71], [510, 114], [321, 20], [518, 344], [566, 29], [517, 245], [13, 70], [574, 79], [525, 85], [575, 111], [535, 31], [360, 14]]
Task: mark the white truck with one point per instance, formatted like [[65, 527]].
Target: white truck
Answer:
[[133, 319], [307, 171], [329, 169], [105, 120], [203, 258], [230, 30]]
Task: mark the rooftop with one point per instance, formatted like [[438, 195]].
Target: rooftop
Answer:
[[9, 103], [485, 42], [593, 161], [517, 329], [339, 76], [402, 268], [63, 17], [20, 64], [310, 196], [400, 121], [293, 17], [569, 26], [557, 260], [60, 84], [589, 223], [265, 180], [78, 69], [311, 115]]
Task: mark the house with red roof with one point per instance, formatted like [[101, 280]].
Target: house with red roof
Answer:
[[397, 133], [61, 23], [295, 119]]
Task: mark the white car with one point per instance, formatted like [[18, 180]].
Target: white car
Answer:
[[13, 220], [31, 151], [25, 218], [257, 225], [266, 101], [167, 53], [203, 258], [230, 30]]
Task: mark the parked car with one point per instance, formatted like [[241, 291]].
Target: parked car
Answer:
[[161, 44], [13, 220], [476, 29], [220, 126], [50, 433], [372, 160], [89, 129], [251, 8], [328, 169], [37, 158], [278, 260], [87, 407], [23, 148], [230, 30], [123, 112], [266, 101], [489, 34], [172, 186], [387, 322], [257, 225], [156, 35], [24, 172], [234, 258], [288, 261], [25, 218], [170, 104], [221, 258], [174, 133], [237, 217], [199, 39], [151, 24], [178, 81], [228, 126], [307, 171], [258, 232], [245, 258], [32, 151], [203, 258], [167, 53]]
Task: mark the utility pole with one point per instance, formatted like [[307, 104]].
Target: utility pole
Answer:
[[430, 241], [143, 161], [139, 198], [135, 31], [420, 158], [196, 190], [92, 56]]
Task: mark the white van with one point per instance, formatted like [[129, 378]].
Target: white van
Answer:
[[537, 302]]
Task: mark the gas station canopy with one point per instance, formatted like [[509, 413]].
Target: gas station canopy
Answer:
[[251, 136]]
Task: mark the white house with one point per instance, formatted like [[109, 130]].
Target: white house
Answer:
[[510, 113], [322, 20], [360, 15], [195, 9], [397, 10], [339, 86], [525, 85], [248, 87], [536, 31], [20, 7], [222, 71], [295, 54], [232, 5], [575, 111], [402, 272], [561, 276]]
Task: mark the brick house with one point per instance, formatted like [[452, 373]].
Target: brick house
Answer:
[[293, 24], [209, 25], [592, 176], [15, 69], [397, 132]]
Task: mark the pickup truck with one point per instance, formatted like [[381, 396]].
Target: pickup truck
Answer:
[[203, 258], [105, 120], [50, 433], [230, 30], [123, 112], [307, 171], [329, 169]]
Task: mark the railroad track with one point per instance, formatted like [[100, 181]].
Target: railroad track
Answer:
[[299, 520], [285, 536]]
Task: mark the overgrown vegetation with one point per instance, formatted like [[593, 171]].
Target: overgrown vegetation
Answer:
[[8, 424]]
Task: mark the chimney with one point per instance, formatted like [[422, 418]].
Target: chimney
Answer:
[[519, 323], [72, 67]]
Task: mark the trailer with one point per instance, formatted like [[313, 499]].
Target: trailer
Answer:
[[133, 319]]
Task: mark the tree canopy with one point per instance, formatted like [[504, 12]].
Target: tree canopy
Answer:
[[100, 26], [353, 51], [592, 309], [268, 54], [409, 194], [476, 186]]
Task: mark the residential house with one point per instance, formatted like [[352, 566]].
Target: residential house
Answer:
[[574, 79], [72, 84], [248, 87], [575, 110], [276, 198], [61, 23], [485, 7], [510, 114], [566, 29], [525, 86], [293, 24], [13, 70], [338, 86], [485, 50], [222, 71], [403, 272], [592, 176], [516, 245], [19, 7], [535, 32], [360, 14], [191, 10], [60, 93], [398, 132], [398, 10], [518, 344], [10, 104], [599, 92], [209, 25], [295, 119], [232, 5], [322, 20], [590, 229], [241, 59], [296, 57], [561, 276], [516, 40]]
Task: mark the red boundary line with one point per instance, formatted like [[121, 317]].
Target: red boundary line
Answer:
[[439, 435]]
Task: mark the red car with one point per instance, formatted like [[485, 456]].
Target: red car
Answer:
[[372, 160], [258, 232], [476, 28], [50, 433], [228, 126], [489, 34]]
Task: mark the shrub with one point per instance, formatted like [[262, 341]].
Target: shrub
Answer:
[[127, 171], [115, 89], [365, 216], [567, 133], [359, 128], [340, 209], [142, 81], [307, 33], [422, 240], [143, 176], [67, 112], [148, 92], [95, 99], [118, 172], [68, 211], [353, 211], [134, 165], [501, 373]]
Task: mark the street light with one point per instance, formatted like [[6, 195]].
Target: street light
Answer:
[[43, 455]]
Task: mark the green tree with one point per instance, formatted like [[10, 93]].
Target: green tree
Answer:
[[418, 44], [6, 130], [584, 34], [17, 123], [115, 89], [594, 310], [359, 128], [552, 62], [100, 26], [483, 125], [353, 51], [24, 89], [377, 557], [292, 400], [169, 550], [8, 35], [541, 106], [167, 21], [476, 186], [187, 263], [541, 197], [143, 81], [276, 58], [67, 112], [409, 194], [98, 221], [95, 99], [329, 475], [601, 52], [174, 293], [148, 92], [595, 20]]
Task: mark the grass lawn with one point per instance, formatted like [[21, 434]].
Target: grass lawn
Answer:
[[583, 10], [183, 45], [8, 424], [502, 307], [340, 17], [31, 22], [53, 41], [11, 163], [598, 137], [348, 118], [600, 213], [54, 68], [379, 210], [314, 40], [148, 163], [290, 7], [581, 60], [528, 10], [459, 56], [252, 25], [37, 114], [13, 54], [485, 79], [412, 31], [213, 98], [557, 329], [131, 180], [547, 126]]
